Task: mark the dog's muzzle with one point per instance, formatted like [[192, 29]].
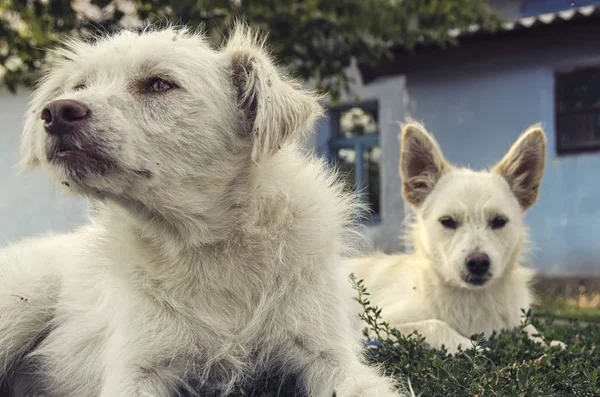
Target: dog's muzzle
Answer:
[[477, 268]]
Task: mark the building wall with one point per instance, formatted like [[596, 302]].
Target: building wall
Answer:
[[29, 203], [509, 10], [476, 111]]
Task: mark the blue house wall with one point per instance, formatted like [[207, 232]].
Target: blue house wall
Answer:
[[30, 204], [476, 111]]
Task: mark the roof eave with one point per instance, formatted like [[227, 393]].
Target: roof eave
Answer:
[[390, 67]]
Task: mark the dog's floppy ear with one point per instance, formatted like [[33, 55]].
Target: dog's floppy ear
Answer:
[[422, 163], [523, 166], [276, 108], [28, 160]]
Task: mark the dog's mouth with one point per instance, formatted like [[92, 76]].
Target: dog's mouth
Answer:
[[61, 153], [476, 280], [79, 160]]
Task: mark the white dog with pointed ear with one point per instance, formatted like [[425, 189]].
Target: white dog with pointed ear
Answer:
[[465, 276], [213, 255]]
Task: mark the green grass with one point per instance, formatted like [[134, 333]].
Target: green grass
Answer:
[[567, 313], [584, 307], [513, 365]]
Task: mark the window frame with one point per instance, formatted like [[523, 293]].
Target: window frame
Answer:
[[582, 148], [360, 144]]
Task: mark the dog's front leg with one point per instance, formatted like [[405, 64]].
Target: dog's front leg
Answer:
[[436, 334], [535, 335], [339, 368], [28, 295], [138, 381]]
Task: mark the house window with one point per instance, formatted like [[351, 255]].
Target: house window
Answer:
[[354, 148], [578, 111]]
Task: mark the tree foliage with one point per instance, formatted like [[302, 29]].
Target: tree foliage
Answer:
[[316, 39]]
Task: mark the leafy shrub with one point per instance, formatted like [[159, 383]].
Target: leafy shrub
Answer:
[[507, 364]]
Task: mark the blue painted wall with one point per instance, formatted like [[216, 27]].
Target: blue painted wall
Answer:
[[476, 111], [30, 204]]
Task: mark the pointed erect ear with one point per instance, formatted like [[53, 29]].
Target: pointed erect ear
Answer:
[[276, 108], [523, 166], [422, 163]]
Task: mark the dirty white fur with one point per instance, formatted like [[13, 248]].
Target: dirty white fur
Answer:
[[214, 251], [428, 290]]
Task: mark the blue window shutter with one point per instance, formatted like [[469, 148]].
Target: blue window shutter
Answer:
[[329, 141], [359, 173]]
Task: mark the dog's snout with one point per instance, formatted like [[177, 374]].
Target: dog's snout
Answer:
[[478, 264], [60, 116]]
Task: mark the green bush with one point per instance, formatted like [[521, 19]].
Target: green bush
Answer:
[[507, 364], [510, 364]]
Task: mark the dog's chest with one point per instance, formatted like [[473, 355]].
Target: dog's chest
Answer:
[[100, 325], [471, 314], [72, 353]]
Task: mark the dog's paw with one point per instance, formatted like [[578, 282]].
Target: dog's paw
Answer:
[[467, 344], [380, 393], [464, 344], [383, 389], [557, 343]]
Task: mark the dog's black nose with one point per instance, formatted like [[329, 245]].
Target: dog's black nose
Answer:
[[478, 264], [62, 115]]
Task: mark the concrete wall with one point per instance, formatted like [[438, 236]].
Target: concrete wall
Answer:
[[29, 204], [476, 111]]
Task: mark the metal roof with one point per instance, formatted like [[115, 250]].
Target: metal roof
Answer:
[[531, 8], [533, 21]]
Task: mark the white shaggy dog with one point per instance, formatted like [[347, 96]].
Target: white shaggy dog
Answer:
[[465, 275], [214, 252]]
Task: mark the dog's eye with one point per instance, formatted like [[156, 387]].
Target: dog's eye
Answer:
[[79, 87], [448, 222], [498, 222], [158, 85]]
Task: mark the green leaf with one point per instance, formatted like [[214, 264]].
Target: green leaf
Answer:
[[316, 39]]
